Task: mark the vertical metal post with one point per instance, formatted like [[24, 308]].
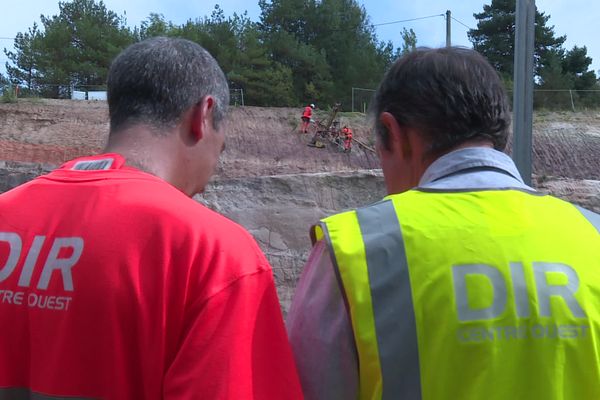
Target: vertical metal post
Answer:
[[572, 103], [352, 99], [523, 91], [448, 30], [242, 91]]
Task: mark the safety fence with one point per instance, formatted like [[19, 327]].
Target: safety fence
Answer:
[[361, 99], [574, 100], [54, 91], [543, 99], [11, 93]]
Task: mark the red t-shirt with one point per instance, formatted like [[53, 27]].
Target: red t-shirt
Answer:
[[307, 112], [115, 285]]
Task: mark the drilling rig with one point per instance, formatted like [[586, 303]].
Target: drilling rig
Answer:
[[330, 132]]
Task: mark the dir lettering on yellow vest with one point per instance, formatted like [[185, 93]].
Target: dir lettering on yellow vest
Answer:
[[481, 295]]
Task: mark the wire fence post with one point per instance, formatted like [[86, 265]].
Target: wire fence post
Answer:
[[236, 97], [363, 100], [572, 103]]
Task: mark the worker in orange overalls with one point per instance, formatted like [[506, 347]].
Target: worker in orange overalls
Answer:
[[347, 132], [306, 115]]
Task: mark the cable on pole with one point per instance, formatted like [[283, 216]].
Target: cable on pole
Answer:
[[408, 20], [465, 25]]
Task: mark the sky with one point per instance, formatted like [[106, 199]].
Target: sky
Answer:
[[575, 18]]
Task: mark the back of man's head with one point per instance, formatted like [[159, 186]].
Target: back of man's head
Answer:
[[153, 82], [451, 95]]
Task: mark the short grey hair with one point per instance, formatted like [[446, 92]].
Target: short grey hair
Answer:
[[155, 81]]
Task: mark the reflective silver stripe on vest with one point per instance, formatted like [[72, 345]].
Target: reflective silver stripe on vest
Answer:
[[392, 301], [590, 216], [26, 394]]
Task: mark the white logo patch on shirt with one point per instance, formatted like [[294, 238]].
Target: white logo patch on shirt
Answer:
[[92, 165]]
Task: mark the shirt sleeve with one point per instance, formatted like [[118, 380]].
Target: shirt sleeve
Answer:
[[320, 332], [235, 347]]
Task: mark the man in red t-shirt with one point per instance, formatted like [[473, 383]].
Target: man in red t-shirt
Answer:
[[114, 283], [306, 116]]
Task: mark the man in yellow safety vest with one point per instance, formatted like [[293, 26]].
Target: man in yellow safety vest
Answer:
[[463, 282]]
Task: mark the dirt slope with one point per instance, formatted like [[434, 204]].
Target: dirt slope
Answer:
[[567, 145], [264, 141], [260, 141]]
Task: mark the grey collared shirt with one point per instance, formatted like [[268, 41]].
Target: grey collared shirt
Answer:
[[473, 168], [318, 322]]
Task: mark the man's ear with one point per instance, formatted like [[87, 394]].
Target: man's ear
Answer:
[[398, 137], [202, 116]]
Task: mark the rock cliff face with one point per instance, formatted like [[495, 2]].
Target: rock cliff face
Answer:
[[279, 211], [270, 182]]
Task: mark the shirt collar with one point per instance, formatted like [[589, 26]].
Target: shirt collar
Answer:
[[467, 158]]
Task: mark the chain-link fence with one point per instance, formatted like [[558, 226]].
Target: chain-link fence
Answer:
[[574, 100], [543, 99], [55, 91], [361, 99], [565, 100], [11, 93], [236, 97]]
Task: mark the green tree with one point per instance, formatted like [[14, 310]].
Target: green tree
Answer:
[[155, 25], [283, 30], [217, 34], [576, 64], [554, 85], [236, 44], [342, 30], [494, 37], [80, 42], [264, 81], [24, 58], [75, 47], [409, 41], [329, 45]]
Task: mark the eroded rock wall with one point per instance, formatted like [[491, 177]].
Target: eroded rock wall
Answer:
[[279, 211]]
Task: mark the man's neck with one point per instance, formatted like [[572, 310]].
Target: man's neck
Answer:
[[150, 152]]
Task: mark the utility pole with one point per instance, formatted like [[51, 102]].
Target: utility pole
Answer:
[[523, 91], [448, 30]]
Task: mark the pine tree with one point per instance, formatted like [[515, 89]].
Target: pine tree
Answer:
[[494, 37], [25, 58], [75, 47], [329, 45]]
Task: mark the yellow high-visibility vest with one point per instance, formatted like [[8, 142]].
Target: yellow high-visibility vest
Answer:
[[491, 294]]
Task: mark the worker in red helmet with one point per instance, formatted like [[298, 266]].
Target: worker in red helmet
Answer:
[[306, 116], [347, 136]]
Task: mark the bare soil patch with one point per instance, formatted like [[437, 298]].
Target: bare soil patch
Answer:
[[266, 141]]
